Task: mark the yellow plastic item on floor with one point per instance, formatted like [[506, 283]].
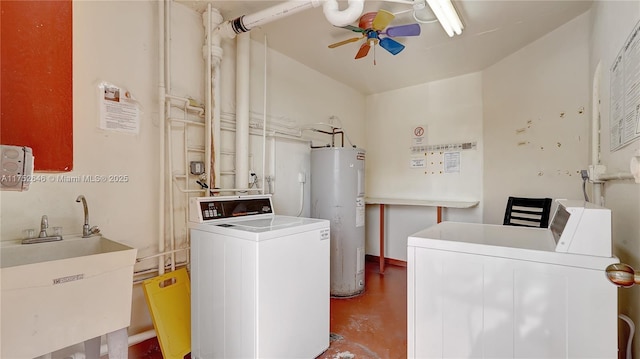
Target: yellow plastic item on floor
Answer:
[[169, 300]]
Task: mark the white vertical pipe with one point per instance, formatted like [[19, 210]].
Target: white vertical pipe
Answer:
[[264, 116], [161, 124], [595, 117], [272, 170], [216, 125], [212, 53], [595, 133], [243, 68], [217, 53], [167, 68], [208, 105]]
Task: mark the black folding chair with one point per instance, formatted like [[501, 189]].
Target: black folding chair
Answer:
[[527, 212]]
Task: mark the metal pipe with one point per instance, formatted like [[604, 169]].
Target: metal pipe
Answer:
[[595, 133], [161, 109], [208, 96], [131, 340], [330, 8], [187, 104], [243, 82], [264, 116], [615, 176], [138, 260]]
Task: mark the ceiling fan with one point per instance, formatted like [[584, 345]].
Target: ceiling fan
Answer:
[[374, 24]]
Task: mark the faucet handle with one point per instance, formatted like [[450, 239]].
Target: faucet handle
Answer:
[[44, 224], [94, 230]]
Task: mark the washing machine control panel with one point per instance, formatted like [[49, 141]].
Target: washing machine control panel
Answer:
[[206, 209]]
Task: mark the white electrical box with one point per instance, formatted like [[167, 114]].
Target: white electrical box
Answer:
[[17, 168]]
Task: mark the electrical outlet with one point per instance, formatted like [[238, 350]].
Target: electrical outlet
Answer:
[[584, 174], [302, 177], [196, 167]]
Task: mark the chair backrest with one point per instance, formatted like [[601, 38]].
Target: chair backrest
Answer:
[[527, 212]]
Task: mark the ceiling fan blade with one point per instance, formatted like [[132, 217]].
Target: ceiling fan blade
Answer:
[[353, 28], [382, 20], [404, 30], [364, 50], [344, 42], [391, 45]]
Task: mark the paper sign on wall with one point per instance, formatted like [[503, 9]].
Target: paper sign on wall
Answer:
[[418, 136], [452, 162], [119, 111], [418, 162], [625, 93]]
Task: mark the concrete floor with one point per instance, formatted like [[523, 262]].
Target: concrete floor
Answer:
[[370, 326]]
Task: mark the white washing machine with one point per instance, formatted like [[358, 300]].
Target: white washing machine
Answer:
[[259, 281], [494, 291]]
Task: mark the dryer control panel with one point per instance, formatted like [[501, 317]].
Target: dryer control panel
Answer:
[[581, 227], [206, 209]]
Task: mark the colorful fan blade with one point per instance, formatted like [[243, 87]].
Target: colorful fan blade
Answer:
[[354, 28], [404, 30], [354, 39], [391, 45], [382, 20], [364, 50]]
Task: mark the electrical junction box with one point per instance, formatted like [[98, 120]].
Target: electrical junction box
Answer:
[[16, 169], [196, 167]]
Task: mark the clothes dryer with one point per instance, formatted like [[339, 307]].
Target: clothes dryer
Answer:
[[494, 291]]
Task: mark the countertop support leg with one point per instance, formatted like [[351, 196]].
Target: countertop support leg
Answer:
[[381, 238]]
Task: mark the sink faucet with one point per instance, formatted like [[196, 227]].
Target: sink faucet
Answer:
[[87, 230], [43, 236], [44, 224]]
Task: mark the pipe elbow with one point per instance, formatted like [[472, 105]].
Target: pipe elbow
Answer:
[[344, 17], [226, 29]]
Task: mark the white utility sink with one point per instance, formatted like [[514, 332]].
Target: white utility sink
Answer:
[[58, 294]]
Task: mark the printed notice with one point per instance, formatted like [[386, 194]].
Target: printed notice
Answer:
[[360, 213], [452, 162], [118, 110], [418, 162], [625, 93], [418, 136]]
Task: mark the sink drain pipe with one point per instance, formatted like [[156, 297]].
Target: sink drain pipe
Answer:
[[132, 340]]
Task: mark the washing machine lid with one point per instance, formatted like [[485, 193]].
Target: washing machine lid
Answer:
[[262, 229], [262, 225]]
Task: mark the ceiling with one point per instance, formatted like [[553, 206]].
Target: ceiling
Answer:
[[492, 31]]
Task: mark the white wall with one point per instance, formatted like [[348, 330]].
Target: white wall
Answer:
[[451, 110], [536, 120], [117, 41], [611, 24], [114, 42], [298, 95]]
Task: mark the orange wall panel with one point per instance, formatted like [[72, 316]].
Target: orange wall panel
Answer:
[[36, 89]]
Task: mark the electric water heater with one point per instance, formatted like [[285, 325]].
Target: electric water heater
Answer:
[[337, 194]]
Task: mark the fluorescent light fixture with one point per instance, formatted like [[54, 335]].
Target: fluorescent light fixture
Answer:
[[447, 16]]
